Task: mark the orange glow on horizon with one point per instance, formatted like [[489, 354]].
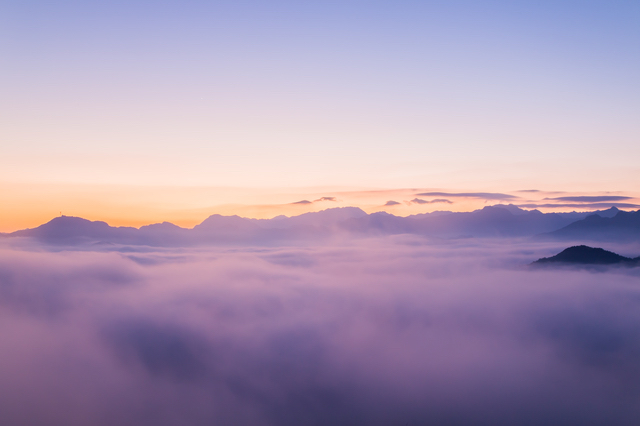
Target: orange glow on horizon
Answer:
[[28, 205]]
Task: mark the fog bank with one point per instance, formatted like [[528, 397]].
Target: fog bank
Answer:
[[382, 331]]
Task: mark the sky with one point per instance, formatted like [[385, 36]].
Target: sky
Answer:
[[137, 112], [270, 98]]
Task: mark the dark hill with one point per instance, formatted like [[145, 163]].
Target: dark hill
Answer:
[[584, 255]]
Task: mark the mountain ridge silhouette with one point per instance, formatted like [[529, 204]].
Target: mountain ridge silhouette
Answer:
[[346, 222], [623, 227]]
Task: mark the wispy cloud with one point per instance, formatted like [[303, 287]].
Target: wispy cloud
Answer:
[[434, 201], [419, 201], [482, 195], [591, 198], [319, 200]]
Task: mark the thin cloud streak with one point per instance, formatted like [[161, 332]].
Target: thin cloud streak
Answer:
[[592, 198], [482, 195], [434, 201]]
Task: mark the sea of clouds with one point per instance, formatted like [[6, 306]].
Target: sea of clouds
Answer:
[[383, 331]]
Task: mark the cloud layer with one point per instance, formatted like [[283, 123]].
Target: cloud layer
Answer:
[[482, 195], [592, 199], [384, 331]]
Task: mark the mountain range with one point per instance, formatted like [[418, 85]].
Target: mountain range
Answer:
[[349, 222], [623, 227]]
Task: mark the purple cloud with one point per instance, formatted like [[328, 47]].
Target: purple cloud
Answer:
[[482, 195], [390, 330], [592, 199], [434, 201]]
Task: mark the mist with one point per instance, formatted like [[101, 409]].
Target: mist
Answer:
[[377, 331]]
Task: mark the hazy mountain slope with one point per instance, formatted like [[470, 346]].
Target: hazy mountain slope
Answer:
[[491, 221], [623, 227], [346, 222], [73, 230]]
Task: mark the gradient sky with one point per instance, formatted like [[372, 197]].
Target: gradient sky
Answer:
[[490, 95]]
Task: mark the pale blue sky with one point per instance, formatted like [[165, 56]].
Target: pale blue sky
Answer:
[[279, 93]]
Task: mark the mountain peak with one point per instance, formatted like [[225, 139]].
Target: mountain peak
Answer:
[[69, 219], [64, 227], [226, 223], [512, 208]]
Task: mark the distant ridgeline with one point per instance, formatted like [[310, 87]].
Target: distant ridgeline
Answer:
[[623, 227], [497, 221], [584, 255]]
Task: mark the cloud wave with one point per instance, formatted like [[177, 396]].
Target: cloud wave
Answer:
[[393, 330]]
